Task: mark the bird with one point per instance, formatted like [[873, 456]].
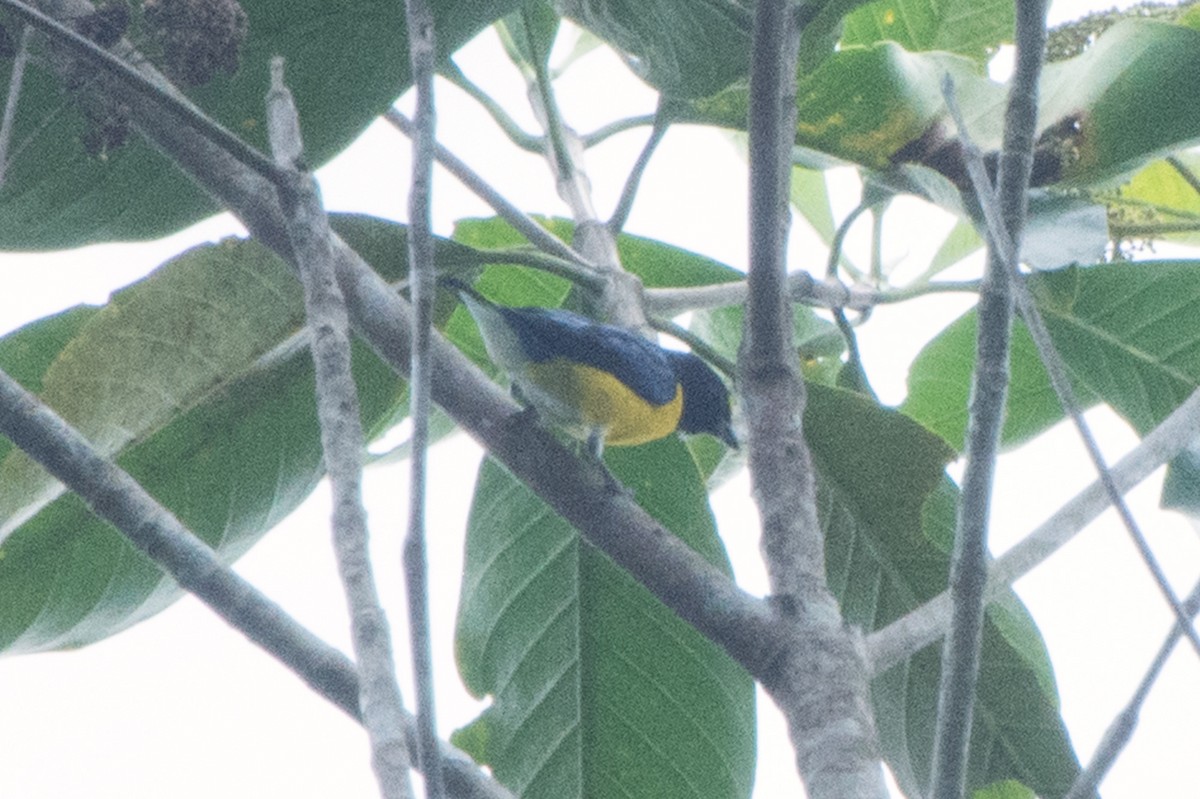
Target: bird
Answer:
[[605, 384]]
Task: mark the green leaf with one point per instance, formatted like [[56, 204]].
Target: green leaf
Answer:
[[883, 570], [226, 439], [967, 27], [685, 48], [157, 348], [1125, 93], [1105, 113], [28, 352], [229, 470], [657, 264], [528, 34], [597, 689], [56, 196], [1126, 332], [962, 241], [864, 104], [888, 516]]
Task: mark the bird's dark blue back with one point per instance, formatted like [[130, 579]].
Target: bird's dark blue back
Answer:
[[547, 333]]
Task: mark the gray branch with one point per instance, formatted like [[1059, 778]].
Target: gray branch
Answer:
[[121, 501], [421, 47], [823, 691], [969, 560], [342, 442]]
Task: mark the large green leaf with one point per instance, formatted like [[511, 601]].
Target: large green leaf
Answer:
[[685, 48], [865, 104], [346, 62], [967, 27], [1126, 332], [597, 689], [1129, 96], [888, 517], [224, 437], [1103, 114], [156, 349], [229, 470]]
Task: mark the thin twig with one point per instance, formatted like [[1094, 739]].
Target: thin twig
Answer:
[[556, 134], [877, 213], [422, 51], [516, 134], [839, 238], [926, 624], [616, 222], [1061, 384], [342, 443], [16, 80], [523, 223], [802, 288], [854, 356], [969, 560], [598, 135], [1120, 731], [922, 289], [1185, 172]]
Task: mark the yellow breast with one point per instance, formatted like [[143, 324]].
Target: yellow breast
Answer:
[[593, 399]]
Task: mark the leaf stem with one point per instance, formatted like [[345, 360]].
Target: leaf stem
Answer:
[[604, 132], [616, 223]]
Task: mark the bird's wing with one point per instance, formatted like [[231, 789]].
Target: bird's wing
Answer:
[[546, 334]]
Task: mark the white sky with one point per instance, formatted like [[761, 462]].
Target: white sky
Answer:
[[182, 706]]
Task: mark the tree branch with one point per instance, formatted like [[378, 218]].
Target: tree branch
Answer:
[[121, 501], [824, 692], [926, 624], [1120, 731], [802, 287], [514, 216], [969, 562], [616, 222], [342, 443], [422, 51]]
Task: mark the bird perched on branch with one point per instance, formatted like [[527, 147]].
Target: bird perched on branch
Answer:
[[600, 382]]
